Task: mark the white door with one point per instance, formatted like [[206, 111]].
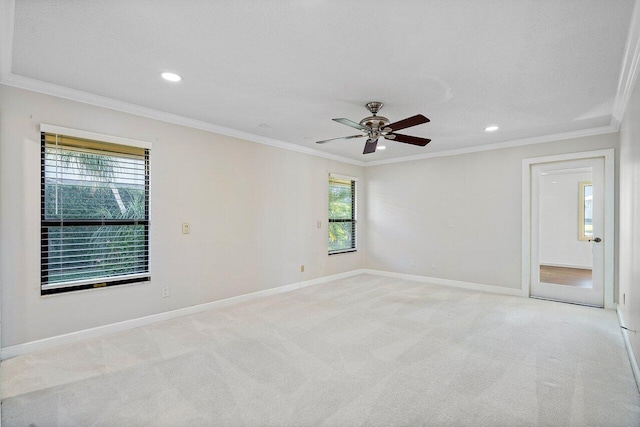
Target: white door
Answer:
[[567, 231]]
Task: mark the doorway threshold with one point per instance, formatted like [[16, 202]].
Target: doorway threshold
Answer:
[[567, 302]]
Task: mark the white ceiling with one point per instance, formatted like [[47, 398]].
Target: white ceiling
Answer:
[[282, 69]]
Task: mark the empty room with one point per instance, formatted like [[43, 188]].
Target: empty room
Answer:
[[312, 213]]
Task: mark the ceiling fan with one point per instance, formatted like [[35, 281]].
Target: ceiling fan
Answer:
[[377, 126]]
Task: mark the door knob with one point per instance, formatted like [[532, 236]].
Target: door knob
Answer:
[[597, 240]]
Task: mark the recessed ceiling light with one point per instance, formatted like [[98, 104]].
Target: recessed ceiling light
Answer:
[[492, 128], [172, 77], [382, 147], [264, 125]]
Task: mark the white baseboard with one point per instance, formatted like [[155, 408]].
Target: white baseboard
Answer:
[[553, 264], [46, 343], [43, 344], [627, 343], [446, 282]]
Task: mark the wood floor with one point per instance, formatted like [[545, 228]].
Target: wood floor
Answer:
[[577, 277]]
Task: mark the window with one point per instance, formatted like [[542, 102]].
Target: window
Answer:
[[342, 214], [585, 210], [94, 213]]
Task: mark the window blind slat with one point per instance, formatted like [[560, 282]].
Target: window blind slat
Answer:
[[83, 257], [83, 269], [91, 246]]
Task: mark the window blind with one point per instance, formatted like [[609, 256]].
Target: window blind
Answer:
[[342, 214], [94, 213]]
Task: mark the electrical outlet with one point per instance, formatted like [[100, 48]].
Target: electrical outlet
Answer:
[[433, 265], [319, 224], [165, 292], [186, 228], [624, 299], [450, 223], [321, 265], [302, 268], [412, 262]]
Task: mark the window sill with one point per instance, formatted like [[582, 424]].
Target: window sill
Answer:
[[346, 251], [92, 286]]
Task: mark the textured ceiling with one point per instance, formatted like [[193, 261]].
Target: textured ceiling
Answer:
[[283, 69]]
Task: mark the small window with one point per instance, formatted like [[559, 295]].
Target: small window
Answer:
[[94, 214], [342, 214], [585, 210]]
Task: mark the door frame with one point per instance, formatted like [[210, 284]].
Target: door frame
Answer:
[[609, 216]]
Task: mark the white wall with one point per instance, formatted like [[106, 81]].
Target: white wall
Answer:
[[253, 212], [252, 209], [559, 243], [409, 206], [629, 240]]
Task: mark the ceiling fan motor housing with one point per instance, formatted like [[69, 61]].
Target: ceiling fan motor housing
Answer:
[[374, 123]]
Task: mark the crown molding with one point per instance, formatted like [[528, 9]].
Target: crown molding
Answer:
[[630, 68], [34, 85], [500, 145], [22, 82]]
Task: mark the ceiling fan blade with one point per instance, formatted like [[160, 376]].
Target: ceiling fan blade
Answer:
[[409, 139], [342, 137], [418, 119], [370, 146], [352, 124]]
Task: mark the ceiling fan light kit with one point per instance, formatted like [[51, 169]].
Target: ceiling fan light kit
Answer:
[[376, 126]]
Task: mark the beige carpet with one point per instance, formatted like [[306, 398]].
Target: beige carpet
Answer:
[[361, 351]]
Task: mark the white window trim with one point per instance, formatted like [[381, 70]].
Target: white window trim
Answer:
[[77, 133], [345, 177], [59, 130]]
